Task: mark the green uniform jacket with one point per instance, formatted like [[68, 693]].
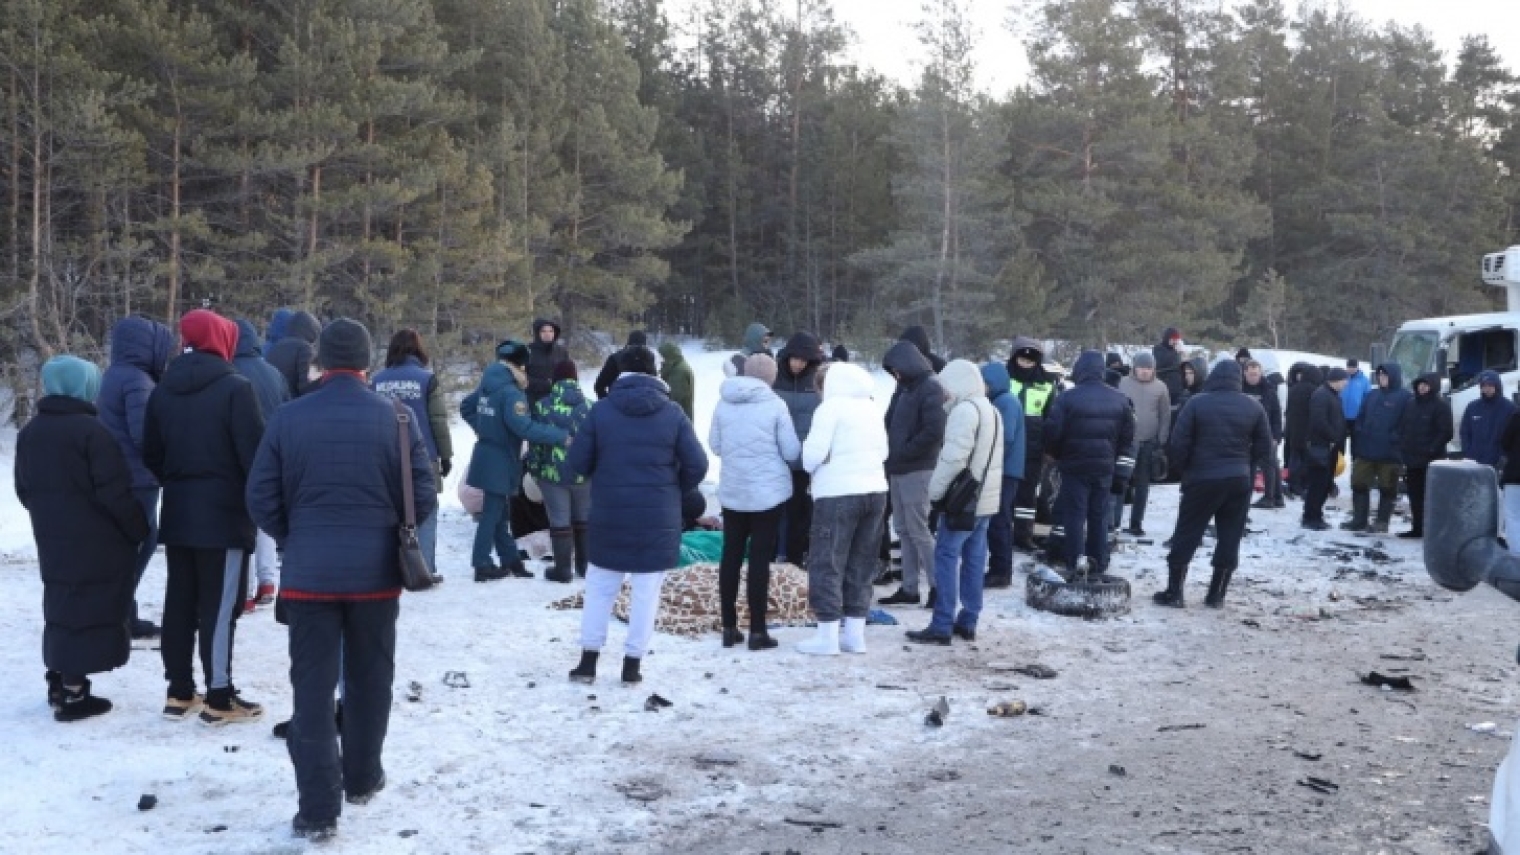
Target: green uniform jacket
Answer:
[[676, 373]]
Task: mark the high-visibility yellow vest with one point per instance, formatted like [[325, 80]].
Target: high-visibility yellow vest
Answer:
[[1035, 396]]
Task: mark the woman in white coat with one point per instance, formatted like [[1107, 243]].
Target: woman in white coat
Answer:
[[752, 431], [973, 438], [844, 452]]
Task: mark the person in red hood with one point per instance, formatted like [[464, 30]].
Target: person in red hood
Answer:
[[200, 433]]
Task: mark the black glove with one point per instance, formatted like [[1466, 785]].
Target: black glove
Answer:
[[1159, 464], [446, 465]]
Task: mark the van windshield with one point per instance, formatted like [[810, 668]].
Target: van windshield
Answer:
[[1414, 351]]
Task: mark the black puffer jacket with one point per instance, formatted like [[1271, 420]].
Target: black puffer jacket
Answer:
[[1220, 431], [1092, 425], [1169, 363], [542, 357], [1265, 393], [916, 414], [1327, 418], [1427, 425], [200, 434], [1303, 379], [293, 354]]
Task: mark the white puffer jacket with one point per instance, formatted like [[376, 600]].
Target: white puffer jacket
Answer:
[[752, 431], [965, 445], [847, 445]]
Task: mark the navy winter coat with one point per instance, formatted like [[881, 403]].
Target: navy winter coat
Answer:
[[1382, 411], [1220, 431], [268, 385], [1092, 425], [140, 351], [413, 384], [1483, 423], [1427, 425], [916, 413], [642, 455], [499, 412], [72, 479], [327, 486], [293, 354]]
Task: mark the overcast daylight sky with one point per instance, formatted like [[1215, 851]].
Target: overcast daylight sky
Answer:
[[885, 39]]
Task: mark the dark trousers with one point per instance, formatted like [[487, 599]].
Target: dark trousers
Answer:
[[1082, 512], [1000, 532], [755, 531], [1298, 471], [799, 517], [839, 573], [204, 598], [1271, 478], [1414, 485], [491, 531], [1317, 484], [357, 640], [1026, 500], [148, 498], [1140, 484], [1226, 501]]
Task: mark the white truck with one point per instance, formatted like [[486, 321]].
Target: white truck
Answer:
[[1461, 347]]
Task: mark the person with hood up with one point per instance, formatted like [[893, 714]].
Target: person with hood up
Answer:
[[1219, 434], [1303, 380], [1323, 437], [328, 483], [500, 415], [1264, 390], [567, 496], [920, 339], [757, 339], [1091, 435], [200, 434], [797, 385], [642, 456], [73, 480], [610, 371], [844, 453], [752, 432], [1424, 433], [1484, 420], [292, 354], [973, 443], [1153, 420], [1037, 391], [279, 324], [915, 424], [271, 390], [1114, 370], [1193, 373], [545, 351], [1168, 353], [140, 351], [1376, 455], [677, 374], [408, 378], [1000, 527], [840, 354]]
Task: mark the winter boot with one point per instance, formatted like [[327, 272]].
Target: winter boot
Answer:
[[563, 541], [825, 642], [55, 689], [586, 671], [1384, 512], [852, 635], [631, 675], [78, 704], [1172, 596], [1361, 502], [489, 573], [315, 830], [761, 640], [516, 570], [1217, 586], [223, 706], [578, 533], [732, 636]]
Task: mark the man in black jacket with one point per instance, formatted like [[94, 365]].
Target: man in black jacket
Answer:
[[915, 431], [200, 434], [920, 339], [1220, 433], [292, 354], [1090, 433], [1265, 393], [1168, 353], [1303, 379], [1424, 431], [1322, 443], [544, 352], [610, 370]]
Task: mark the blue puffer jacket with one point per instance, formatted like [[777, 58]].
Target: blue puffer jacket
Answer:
[[1220, 431], [326, 484], [999, 389], [642, 456], [268, 385], [1354, 395], [498, 411], [565, 408], [1377, 428], [140, 351], [1483, 423], [752, 432], [1091, 426]]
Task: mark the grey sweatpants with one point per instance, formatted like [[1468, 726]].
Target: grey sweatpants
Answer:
[[910, 516]]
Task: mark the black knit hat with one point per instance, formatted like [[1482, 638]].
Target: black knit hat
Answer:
[[1243, 353], [638, 337], [638, 360], [345, 345]]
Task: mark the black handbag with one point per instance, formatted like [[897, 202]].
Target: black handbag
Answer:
[[965, 490], [416, 575]]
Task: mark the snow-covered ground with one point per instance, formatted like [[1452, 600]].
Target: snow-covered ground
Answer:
[[1199, 711]]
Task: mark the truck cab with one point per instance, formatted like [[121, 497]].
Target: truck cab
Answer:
[[1461, 347]]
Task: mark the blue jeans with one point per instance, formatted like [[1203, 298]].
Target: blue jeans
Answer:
[[1000, 532], [960, 561], [1082, 509], [493, 531]]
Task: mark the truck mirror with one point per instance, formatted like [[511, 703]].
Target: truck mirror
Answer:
[[1461, 531]]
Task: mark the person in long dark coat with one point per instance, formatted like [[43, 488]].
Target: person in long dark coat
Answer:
[[74, 481]]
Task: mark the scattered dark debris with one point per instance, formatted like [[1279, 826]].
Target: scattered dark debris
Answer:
[[937, 715], [1401, 684], [407, 832], [641, 791], [534, 805], [216, 829], [1008, 709], [148, 801], [945, 776], [1252, 622], [891, 688], [456, 679], [714, 758], [655, 703], [532, 685], [1320, 785], [815, 824], [229, 749], [1306, 755], [1168, 728], [1037, 671], [1404, 657], [414, 691], [1116, 769]]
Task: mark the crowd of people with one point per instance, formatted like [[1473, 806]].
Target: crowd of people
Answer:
[[290, 454]]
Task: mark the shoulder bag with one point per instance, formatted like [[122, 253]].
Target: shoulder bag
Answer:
[[416, 575], [965, 490]]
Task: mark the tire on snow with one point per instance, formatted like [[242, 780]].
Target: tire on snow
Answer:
[[1092, 597]]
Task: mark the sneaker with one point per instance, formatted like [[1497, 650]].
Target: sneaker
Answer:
[[365, 797], [901, 598], [78, 704], [490, 573], [312, 829], [924, 636], [235, 711], [249, 605], [517, 571], [179, 709], [265, 595]]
